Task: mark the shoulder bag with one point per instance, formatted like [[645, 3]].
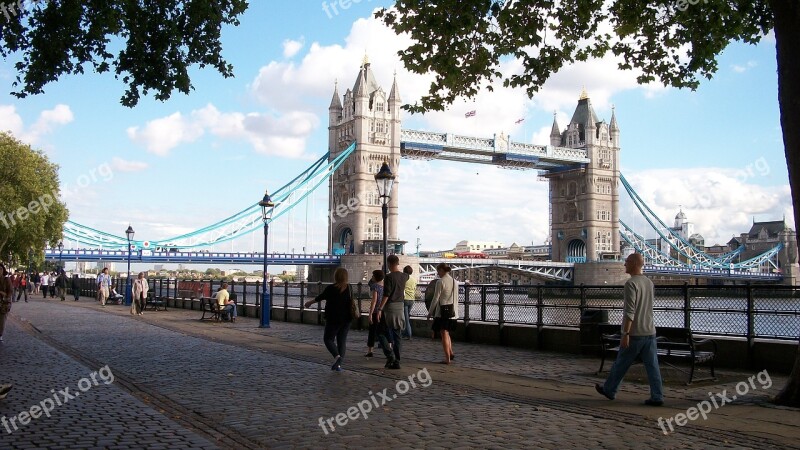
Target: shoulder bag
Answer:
[[355, 313]]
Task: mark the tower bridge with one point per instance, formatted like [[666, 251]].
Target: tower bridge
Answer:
[[580, 163]]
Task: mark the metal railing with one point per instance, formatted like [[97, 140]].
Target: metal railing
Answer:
[[748, 311]]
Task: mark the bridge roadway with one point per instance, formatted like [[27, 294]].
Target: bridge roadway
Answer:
[[557, 271], [184, 384]]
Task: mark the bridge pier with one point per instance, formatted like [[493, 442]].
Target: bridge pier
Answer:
[[599, 273], [359, 268]]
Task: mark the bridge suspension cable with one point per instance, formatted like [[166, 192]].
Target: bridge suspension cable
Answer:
[[235, 226]]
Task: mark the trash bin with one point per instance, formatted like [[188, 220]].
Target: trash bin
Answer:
[[590, 331]]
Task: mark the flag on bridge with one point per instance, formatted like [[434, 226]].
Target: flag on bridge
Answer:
[[519, 121], [470, 113]]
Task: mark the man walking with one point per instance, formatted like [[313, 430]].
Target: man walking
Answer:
[[103, 284], [45, 284], [391, 308], [638, 335]]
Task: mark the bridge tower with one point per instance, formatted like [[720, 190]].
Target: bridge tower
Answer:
[[585, 202], [371, 117]]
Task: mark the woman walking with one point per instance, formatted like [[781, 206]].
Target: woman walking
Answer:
[[140, 288], [376, 293], [445, 298], [338, 314], [5, 298]]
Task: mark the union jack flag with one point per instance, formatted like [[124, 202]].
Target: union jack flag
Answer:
[[470, 113]]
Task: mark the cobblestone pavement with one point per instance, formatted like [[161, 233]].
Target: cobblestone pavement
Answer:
[[102, 416], [245, 387]]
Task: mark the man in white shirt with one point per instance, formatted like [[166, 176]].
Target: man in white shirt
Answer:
[[45, 284]]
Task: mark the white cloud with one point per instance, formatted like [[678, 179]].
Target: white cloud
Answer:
[[46, 123], [744, 68], [720, 202], [291, 47], [160, 136], [121, 165], [270, 134]]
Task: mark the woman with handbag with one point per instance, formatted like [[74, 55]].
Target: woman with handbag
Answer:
[[339, 314], [444, 309]]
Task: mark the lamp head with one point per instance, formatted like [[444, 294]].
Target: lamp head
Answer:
[[267, 207], [129, 232], [385, 181]]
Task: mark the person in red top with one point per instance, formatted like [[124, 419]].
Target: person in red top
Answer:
[[22, 287]]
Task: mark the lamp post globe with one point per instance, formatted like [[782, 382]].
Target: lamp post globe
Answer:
[[129, 233], [385, 181], [267, 208]]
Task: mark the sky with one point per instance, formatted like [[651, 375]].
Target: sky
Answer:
[[171, 167]]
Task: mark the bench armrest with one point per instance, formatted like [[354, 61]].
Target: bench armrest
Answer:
[[699, 342]]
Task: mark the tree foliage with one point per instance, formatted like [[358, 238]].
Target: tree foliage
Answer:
[[464, 42], [149, 44], [32, 214]]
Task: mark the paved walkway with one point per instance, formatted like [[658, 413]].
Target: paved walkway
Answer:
[[181, 383]]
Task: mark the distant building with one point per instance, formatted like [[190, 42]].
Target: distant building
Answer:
[[103, 264], [684, 229], [476, 246]]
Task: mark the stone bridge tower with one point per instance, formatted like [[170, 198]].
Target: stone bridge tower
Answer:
[[371, 117], [585, 202]]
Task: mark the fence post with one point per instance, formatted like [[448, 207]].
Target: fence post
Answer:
[[500, 312], [539, 316], [583, 299], [319, 306], [483, 303], [244, 297], [751, 327], [358, 301], [258, 298], [466, 306], [271, 291], [286, 301], [687, 317]]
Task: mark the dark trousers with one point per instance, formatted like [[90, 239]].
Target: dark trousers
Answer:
[[77, 293], [337, 332], [373, 331], [140, 303], [391, 336], [22, 290]]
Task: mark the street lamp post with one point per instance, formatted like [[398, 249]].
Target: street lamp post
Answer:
[[60, 246], [129, 233], [267, 207], [385, 181]]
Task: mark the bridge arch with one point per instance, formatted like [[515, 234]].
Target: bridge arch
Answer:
[[576, 251]]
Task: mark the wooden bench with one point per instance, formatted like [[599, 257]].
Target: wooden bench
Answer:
[[673, 343], [210, 306], [154, 302]]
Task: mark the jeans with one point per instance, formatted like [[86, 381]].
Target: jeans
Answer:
[[407, 304], [230, 310], [337, 332], [643, 347], [22, 291], [391, 336]]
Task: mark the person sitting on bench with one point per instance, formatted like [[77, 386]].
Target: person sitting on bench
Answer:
[[114, 296], [226, 305]]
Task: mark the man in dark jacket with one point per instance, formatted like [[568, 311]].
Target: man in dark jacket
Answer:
[[61, 285]]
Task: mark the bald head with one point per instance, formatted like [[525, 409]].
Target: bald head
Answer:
[[634, 264]]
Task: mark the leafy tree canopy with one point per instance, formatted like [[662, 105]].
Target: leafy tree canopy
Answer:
[[149, 44], [32, 214], [464, 42]]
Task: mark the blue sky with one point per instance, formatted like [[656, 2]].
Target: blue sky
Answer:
[[185, 163]]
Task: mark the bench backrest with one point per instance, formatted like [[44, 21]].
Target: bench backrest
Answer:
[[674, 334]]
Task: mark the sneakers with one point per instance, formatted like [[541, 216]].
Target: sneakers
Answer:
[[337, 365], [4, 389], [369, 355], [601, 391], [395, 365]]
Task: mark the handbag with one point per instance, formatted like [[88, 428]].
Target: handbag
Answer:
[[449, 311], [355, 313]]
